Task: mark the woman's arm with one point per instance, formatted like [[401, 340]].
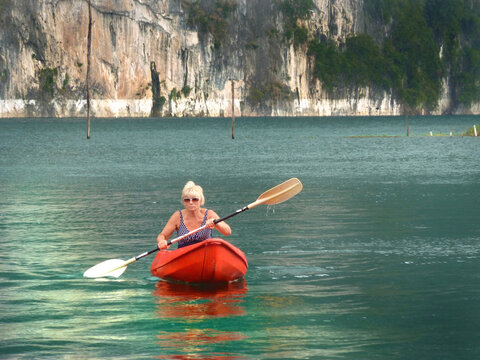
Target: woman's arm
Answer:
[[168, 230], [222, 227]]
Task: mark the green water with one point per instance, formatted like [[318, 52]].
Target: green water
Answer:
[[377, 258]]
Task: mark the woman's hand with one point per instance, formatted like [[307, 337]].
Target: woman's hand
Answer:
[[222, 226], [162, 244], [210, 223]]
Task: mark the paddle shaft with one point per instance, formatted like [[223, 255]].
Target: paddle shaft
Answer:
[[275, 195], [262, 199], [173, 241]]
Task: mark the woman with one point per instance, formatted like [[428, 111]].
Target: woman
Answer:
[[191, 218]]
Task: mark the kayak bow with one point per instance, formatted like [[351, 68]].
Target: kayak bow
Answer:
[[210, 261]]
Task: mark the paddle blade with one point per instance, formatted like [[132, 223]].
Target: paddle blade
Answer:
[[279, 193], [112, 267]]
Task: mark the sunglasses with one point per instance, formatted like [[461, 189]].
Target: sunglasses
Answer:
[[190, 200]]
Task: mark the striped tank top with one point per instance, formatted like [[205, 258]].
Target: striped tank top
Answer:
[[195, 238]]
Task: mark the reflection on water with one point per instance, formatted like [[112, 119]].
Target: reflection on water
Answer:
[[195, 304], [194, 342]]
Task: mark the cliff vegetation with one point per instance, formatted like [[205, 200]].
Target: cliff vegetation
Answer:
[[425, 42], [284, 57]]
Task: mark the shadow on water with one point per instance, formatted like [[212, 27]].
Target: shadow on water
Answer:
[[195, 308]]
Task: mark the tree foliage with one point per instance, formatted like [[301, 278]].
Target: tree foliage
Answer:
[[427, 41], [208, 18], [293, 11], [270, 91]]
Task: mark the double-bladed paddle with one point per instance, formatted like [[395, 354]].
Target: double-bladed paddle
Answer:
[[276, 195]]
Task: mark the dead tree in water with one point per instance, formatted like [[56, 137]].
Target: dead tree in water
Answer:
[[233, 110], [406, 110], [89, 47]]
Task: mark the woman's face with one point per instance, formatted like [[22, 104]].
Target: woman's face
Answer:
[[191, 202]]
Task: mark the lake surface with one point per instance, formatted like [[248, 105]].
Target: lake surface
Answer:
[[377, 258]]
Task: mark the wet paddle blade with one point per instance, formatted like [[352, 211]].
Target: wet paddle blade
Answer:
[[112, 267], [280, 193]]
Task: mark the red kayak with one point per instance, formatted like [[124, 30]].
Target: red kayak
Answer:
[[210, 261]]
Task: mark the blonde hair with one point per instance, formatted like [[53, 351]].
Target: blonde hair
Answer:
[[192, 189]]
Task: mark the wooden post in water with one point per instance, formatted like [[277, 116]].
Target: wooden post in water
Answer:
[[89, 46], [405, 111], [408, 129], [233, 109], [475, 130]]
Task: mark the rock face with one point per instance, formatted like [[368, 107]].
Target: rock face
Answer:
[[147, 60]]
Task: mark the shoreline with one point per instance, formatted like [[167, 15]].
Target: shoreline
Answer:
[[189, 108], [237, 117]]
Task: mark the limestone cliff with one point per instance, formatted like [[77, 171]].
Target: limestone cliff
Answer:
[[147, 59]]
